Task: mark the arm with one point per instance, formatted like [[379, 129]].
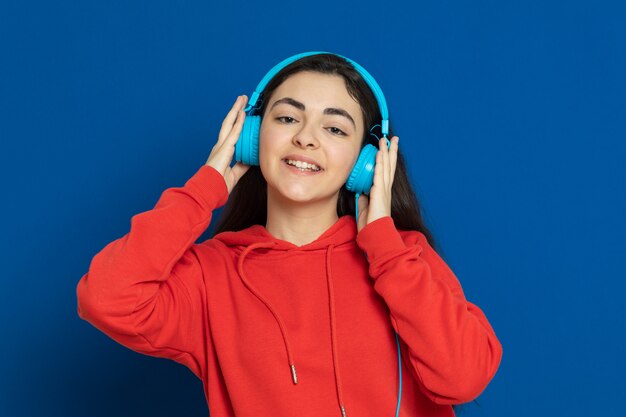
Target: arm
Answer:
[[146, 290], [452, 349]]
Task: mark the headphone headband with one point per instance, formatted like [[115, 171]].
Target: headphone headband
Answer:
[[371, 82]]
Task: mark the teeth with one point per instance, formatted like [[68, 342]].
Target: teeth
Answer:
[[303, 165]]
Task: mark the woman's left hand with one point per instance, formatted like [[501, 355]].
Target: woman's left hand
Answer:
[[378, 204]]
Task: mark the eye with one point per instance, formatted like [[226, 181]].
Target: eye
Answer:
[[337, 131], [281, 119]]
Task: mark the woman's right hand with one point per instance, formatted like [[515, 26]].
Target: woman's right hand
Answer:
[[223, 151]]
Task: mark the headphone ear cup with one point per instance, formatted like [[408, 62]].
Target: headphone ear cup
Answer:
[[361, 177], [247, 146]]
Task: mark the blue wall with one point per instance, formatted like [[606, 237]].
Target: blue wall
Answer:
[[512, 114]]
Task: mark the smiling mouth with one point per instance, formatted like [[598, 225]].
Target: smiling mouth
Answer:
[[302, 166], [305, 169]]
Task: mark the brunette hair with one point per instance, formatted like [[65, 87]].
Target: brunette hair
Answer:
[[247, 203]]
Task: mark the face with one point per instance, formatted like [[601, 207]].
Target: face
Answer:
[[311, 118]]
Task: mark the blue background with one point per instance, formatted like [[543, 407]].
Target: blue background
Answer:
[[512, 115]]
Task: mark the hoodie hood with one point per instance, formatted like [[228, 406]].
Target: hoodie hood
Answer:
[[342, 232]]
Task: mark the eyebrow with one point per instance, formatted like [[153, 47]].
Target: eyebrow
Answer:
[[328, 110]]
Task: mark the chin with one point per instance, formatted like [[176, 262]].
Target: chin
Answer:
[[298, 194], [298, 197]]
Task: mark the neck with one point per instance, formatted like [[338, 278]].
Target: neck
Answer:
[[299, 222]]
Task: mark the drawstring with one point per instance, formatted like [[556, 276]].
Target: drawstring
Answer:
[[292, 366], [283, 331], [333, 330], [331, 303]]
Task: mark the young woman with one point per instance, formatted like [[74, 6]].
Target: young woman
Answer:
[[299, 305]]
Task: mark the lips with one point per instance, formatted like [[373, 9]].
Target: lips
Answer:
[[302, 158], [298, 171]]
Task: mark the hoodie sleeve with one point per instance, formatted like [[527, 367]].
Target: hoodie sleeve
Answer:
[[452, 349], [146, 289]]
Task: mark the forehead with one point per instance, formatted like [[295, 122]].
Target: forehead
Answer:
[[318, 91]]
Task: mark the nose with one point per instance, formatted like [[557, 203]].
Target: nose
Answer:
[[305, 138]]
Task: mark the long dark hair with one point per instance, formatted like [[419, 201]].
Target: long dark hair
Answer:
[[247, 203]]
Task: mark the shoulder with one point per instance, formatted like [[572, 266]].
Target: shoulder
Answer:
[[212, 252], [213, 247], [381, 238], [413, 237]]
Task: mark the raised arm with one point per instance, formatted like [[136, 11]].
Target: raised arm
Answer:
[[146, 290], [452, 349]]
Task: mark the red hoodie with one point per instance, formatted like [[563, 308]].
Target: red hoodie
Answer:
[[275, 329]]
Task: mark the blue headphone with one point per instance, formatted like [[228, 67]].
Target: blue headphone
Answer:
[[361, 177]]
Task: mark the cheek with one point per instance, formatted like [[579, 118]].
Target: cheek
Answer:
[[268, 134], [269, 146], [264, 141], [346, 160]]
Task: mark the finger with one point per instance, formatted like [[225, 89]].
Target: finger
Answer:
[[225, 141], [234, 132], [385, 159], [230, 118], [239, 169], [234, 110], [224, 149], [233, 135], [393, 156], [378, 170]]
